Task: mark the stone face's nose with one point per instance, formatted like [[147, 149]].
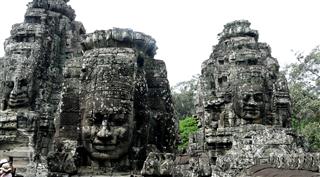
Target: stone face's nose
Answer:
[[251, 101], [19, 87], [104, 132]]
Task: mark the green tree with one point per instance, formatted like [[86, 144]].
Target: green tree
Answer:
[[187, 126], [304, 85], [183, 95], [312, 131]]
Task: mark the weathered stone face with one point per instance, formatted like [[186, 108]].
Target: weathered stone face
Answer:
[[108, 119], [19, 81], [20, 65], [250, 103], [107, 135]]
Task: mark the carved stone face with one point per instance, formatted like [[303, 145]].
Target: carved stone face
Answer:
[[18, 81], [107, 134], [19, 94], [107, 121], [250, 103]]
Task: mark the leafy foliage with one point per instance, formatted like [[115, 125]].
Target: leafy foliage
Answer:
[[311, 131], [183, 95], [187, 126], [304, 85]]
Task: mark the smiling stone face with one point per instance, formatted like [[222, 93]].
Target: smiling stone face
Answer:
[[107, 134], [107, 122], [17, 83], [250, 103], [21, 66], [20, 86]]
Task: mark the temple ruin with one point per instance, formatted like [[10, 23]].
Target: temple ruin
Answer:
[[99, 104], [244, 110]]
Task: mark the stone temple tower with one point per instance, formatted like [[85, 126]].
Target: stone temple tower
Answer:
[[31, 79], [244, 109], [241, 84], [73, 103]]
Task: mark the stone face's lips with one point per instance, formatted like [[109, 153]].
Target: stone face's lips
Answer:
[[250, 114], [104, 147], [252, 109], [20, 100]]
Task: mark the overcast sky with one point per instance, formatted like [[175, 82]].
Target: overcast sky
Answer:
[[185, 30]]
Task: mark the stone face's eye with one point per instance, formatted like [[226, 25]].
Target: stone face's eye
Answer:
[[246, 97], [258, 97], [116, 123], [94, 119], [89, 119], [23, 82], [83, 69], [9, 84], [124, 117], [97, 118], [119, 120]]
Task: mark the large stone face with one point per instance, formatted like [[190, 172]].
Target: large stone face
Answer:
[[72, 102], [107, 103]]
